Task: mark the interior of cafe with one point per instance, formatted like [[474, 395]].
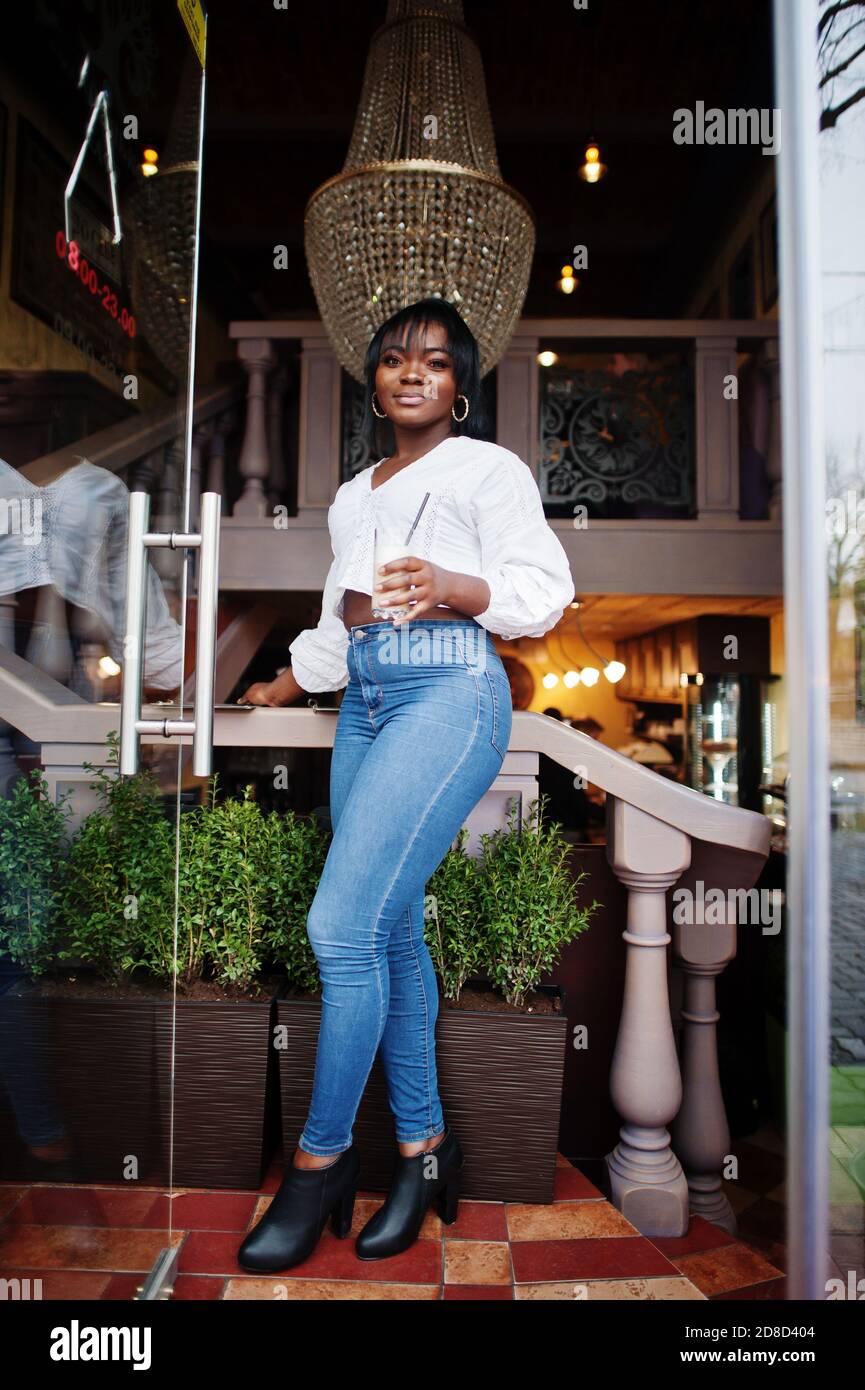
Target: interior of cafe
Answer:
[[623, 283]]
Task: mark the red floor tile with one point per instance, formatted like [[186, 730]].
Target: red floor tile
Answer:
[[91, 1206], [571, 1184], [478, 1221], [701, 1235], [603, 1257], [771, 1289]]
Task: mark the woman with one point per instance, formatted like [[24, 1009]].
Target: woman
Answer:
[[421, 735]]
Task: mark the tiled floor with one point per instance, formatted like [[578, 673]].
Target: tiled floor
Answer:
[[580, 1246], [759, 1196]]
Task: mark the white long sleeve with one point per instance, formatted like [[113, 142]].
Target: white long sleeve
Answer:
[[318, 654], [522, 558]]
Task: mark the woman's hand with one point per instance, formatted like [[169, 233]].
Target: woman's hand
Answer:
[[415, 581], [276, 693], [260, 693]]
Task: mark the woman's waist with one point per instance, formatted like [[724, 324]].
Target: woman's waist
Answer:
[[357, 612], [430, 641]]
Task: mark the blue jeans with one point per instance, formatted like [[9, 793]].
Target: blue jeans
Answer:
[[422, 731]]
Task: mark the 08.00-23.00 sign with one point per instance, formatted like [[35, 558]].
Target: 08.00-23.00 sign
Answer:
[[70, 252]]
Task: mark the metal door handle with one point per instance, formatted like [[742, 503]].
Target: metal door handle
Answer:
[[201, 724]]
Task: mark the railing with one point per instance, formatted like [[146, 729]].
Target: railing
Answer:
[[661, 836], [714, 551]]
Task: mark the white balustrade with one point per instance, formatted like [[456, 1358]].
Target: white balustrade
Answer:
[[257, 357]]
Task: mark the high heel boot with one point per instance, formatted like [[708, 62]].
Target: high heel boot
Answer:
[[416, 1183], [291, 1227]]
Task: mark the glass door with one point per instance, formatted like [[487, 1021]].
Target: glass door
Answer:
[[821, 95], [101, 119]]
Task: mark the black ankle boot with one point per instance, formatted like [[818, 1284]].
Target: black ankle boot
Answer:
[[417, 1182], [291, 1227]]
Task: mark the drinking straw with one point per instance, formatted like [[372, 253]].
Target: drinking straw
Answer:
[[417, 518]]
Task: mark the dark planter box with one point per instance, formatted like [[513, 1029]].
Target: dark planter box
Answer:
[[500, 1081], [105, 1066]]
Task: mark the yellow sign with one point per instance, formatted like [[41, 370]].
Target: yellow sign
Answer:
[[193, 17]]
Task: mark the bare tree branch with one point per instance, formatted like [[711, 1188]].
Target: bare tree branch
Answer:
[[833, 58], [829, 15], [833, 72], [831, 115]]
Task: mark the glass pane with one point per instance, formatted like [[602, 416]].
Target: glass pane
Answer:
[[102, 107], [842, 223]]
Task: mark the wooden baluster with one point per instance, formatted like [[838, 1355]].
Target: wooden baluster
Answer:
[[91, 645], [200, 436], [646, 1179], [166, 516], [701, 950], [717, 429], [148, 470], [278, 480], [49, 648], [223, 427], [700, 1133], [257, 356]]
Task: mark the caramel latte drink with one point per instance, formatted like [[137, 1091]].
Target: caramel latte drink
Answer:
[[389, 545]]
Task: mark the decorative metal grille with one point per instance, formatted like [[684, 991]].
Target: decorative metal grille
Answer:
[[618, 440], [356, 453]]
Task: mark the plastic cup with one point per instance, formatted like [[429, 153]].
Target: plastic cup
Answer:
[[389, 545]]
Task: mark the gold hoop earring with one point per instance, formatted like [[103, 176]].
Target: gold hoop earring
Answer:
[[383, 415], [460, 418]]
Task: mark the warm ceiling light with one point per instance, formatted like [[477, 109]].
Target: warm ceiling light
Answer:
[[149, 163], [550, 680], [614, 670], [571, 678], [590, 675], [699, 678], [592, 169], [548, 359], [568, 282]]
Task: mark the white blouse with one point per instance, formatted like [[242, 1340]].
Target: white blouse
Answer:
[[484, 517]]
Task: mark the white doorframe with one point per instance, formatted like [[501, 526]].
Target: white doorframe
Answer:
[[806, 630]]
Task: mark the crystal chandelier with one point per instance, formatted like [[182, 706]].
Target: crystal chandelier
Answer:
[[420, 208]]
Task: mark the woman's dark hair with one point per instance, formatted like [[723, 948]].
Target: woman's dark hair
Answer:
[[461, 344]]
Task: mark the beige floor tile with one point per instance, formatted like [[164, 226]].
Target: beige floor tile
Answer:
[[614, 1290], [326, 1290], [566, 1221], [477, 1262]]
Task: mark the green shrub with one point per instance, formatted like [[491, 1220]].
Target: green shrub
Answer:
[[528, 901], [453, 912], [32, 849], [296, 851], [223, 890], [116, 897]]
